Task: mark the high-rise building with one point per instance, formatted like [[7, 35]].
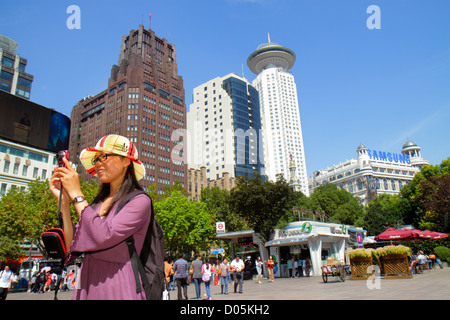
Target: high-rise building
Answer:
[[280, 114], [144, 101], [13, 78], [224, 127]]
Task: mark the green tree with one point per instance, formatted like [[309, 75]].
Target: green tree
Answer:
[[217, 204], [383, 211], [434, 196], [261, 203], [186, 224], [24, 215], [339, 205], [427, 198], [13, 223]]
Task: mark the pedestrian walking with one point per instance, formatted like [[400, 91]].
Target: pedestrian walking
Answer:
[[181, 272], [196, 267], [224, 273], [238, 266], [106, 271], [6, 278], [307, 267], [270, 265], [168, 271], [295, 268], [290, 264], [259, 264], [207, 271]]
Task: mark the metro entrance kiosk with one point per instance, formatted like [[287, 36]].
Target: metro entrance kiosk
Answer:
[[318, 237]]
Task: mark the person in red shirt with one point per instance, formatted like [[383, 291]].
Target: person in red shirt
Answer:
[[270, 264]]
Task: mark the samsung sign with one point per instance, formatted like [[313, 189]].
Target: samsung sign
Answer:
[[388, 156]]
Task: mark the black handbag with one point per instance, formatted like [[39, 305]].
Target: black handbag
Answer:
[[55, 243]]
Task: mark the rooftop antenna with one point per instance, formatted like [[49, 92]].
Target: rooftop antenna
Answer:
[[268, 36]]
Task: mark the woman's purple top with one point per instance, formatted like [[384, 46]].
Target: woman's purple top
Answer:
[[106, 271]]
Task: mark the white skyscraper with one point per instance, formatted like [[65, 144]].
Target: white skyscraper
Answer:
[[280, 114], [224, 127]]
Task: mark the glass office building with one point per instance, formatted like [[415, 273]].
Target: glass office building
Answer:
[[13, 78], [224, 126], [246, 117]]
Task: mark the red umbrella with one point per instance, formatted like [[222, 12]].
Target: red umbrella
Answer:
[[395, 234], [427, 234]]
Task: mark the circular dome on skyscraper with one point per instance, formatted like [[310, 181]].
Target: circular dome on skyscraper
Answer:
[[270, 54]]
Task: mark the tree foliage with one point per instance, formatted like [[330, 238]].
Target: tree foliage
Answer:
[[25, 214], [261, 203], [427, 198], [186, 224], [339, 205], [217, 204], [383, 212]]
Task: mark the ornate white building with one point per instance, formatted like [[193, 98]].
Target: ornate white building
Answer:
[[373, 172]]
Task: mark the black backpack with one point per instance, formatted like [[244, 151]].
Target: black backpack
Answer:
[[150, 263]]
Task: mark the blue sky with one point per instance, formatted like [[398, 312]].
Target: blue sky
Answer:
[[355, 85]]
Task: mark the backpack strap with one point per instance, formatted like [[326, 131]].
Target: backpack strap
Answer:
[[136, 263], [138, 268]]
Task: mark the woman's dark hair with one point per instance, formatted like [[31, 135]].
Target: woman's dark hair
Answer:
[[129, 184]]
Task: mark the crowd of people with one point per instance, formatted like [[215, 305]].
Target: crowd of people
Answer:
[[44, 280], [181, 273]]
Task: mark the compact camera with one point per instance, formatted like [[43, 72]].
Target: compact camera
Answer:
[[61, 155]]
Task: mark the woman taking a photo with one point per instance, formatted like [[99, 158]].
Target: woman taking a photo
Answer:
[[106, 271]]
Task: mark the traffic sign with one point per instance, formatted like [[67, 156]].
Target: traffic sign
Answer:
[[217, 251], [220, 227]]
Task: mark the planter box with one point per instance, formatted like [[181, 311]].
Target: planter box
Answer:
[[360, 267], [395, 266]]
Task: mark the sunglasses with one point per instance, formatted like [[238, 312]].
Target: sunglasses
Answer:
[[102, 158]]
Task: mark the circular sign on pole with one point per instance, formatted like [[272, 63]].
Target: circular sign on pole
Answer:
[[220, 227]]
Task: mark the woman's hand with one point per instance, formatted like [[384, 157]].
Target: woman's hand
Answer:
[[55, 187], [69, 179]]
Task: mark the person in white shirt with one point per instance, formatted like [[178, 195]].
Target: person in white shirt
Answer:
[[237, 265], [6, 278], [259, 265]]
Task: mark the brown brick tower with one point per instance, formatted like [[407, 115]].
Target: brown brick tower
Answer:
[[144, 101]]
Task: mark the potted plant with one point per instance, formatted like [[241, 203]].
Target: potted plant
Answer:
[[360, 261], [394, 261]]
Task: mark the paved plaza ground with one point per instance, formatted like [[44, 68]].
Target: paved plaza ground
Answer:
[[431, 285]]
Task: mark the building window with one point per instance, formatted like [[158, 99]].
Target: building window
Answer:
[[8, 62], [24, 82], [16, 169], [6, 167], [24, 171], [6, 75], [360, 184], [3, 190]]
